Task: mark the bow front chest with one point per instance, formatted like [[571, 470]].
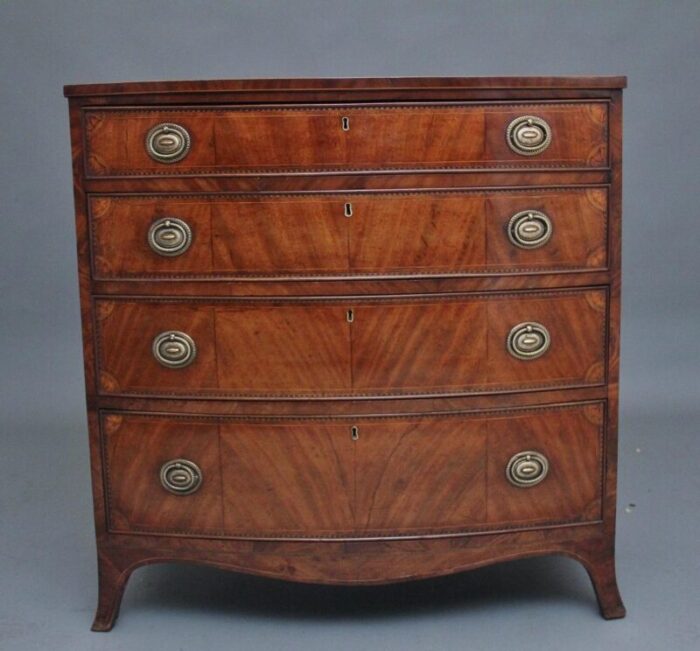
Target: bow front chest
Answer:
[[350, 331]]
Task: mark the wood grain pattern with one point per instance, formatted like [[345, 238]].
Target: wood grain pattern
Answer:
[[311, 478], [284, 479], [285, 349], [414, 203], [572, 442], [292, 139], [356, 84], [136, 448], [393, 346], [359, 563], [125, 334], [311, 236], [305, 348], [352, 181], [420, 474], [460, 346]]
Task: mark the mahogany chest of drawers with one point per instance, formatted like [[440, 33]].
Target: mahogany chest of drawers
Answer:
[[350, 331]]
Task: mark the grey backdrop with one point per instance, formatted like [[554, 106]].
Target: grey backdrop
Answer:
[[47, 572]]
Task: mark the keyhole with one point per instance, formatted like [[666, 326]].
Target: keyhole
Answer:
[[355, 433], [345, 123], [350, 316], [348, 210]]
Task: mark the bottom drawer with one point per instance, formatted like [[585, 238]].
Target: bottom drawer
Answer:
[[353, 477]]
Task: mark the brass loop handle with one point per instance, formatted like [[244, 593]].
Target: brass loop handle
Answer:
[[180, 476], [174, 349], [169, 236], [527, 468], [529, 229], [167, 142], [528, 135], [528, 340]]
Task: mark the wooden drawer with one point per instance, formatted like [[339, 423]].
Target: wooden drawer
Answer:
[[382, 234], [443, 345], [355, 477], [296, 139]]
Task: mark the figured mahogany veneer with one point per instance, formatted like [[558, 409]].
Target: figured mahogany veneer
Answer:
[[455, 233], [392, 346], [357, 409], [309, 478], [307, 139]]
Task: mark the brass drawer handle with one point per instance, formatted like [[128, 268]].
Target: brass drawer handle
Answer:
[[180, 476], [527, 468], [168, 142], [174, 349], [528, 340], [169, 236], [529, 229], [528, 135]]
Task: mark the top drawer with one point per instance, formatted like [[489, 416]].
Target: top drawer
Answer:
[[361, 138]]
